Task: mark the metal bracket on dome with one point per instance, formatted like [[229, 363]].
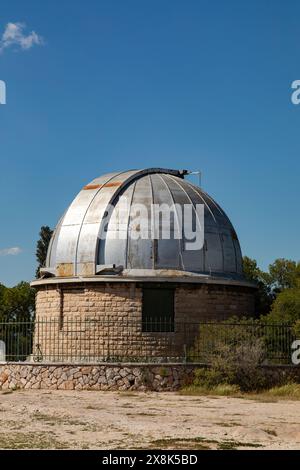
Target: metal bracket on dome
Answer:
[[182, 173], [197, 173], [109, 269], [47, 272]]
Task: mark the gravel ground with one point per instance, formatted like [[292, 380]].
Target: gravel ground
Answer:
[[37, 419]]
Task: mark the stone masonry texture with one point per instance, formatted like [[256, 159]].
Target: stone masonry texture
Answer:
[[140, 377], [103, 321], [94, 377]]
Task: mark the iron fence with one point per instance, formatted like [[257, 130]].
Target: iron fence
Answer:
[[93, 340]]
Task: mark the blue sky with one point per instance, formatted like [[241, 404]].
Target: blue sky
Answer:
[[128, 84]]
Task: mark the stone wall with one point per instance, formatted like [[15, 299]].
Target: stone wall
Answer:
[[206, 302], [94, 377], [103, 321], [142, 377], [112, 301]]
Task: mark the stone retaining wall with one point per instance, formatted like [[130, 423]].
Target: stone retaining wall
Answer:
[[95, 377], [156, 377]]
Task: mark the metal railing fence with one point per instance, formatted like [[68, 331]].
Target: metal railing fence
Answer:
[[90, 339]]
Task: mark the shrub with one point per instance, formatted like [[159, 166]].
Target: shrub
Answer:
[[207, 377], [289, 390], [296, 329], [235, 352], [230, 332], [221, 390], [286, 307]]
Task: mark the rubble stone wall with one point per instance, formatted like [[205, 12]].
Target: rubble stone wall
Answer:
[[139, 377], [94, 377]]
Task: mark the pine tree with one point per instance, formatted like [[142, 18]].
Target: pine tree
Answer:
[[42, 247]]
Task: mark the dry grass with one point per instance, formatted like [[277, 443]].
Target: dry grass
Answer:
[[31, 440], [290, 391], [200, 443], [220, 390]]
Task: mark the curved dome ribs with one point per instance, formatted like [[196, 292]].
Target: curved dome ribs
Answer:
[[78, 244], [140, 252], [178, 245], [193, 260], [97, 191], [79, 230]]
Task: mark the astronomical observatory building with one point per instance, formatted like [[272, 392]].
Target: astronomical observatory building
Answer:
[[134, 290]]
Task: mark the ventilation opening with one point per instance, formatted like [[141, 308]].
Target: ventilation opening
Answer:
[[158, 310]]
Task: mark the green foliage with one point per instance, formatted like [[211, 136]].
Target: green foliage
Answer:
[[296, 329], [209, 378], [264, 295], [236, 364], [291, 390], [204, 389], [234, 351], [252, 271], [230, 332], [17, 303], [42, 247], [286, 307], [284, 283], [284, 274]]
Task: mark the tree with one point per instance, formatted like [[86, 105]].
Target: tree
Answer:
[[286, 306], [284, 274], [264, 295], [42, 247], [2, 307], [17, 303], [16, 320], [251, 270]]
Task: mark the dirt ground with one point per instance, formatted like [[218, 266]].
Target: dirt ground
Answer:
[[37, 419]]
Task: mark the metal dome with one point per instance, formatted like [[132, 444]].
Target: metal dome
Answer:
[[78, 249]]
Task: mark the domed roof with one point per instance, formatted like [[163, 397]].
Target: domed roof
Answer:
[[84, 242]]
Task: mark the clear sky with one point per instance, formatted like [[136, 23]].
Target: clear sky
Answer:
[[111, 85]]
